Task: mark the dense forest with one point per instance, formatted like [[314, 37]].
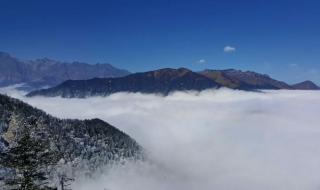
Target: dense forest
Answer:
[[77, 147]]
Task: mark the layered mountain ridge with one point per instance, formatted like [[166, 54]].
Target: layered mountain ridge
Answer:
[[47, 72], [166, 81], [161, 81]]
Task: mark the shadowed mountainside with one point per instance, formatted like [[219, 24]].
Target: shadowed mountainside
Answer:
[[165, 81], [161, 81]]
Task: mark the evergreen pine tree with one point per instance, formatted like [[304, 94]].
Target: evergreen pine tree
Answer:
[[28, 160]]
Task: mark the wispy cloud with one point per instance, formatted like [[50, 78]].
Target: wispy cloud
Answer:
[[202, 61], [293, 65], [229, 49]]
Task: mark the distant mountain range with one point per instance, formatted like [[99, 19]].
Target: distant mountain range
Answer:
[[82, 143], [306, 85], [82, 80], [165, 81], [161, 81], [48, 72], [247, 80]]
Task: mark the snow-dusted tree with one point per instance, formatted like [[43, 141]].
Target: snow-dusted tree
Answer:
[[28, 160]]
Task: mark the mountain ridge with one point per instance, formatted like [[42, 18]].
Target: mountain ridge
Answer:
[[244, 80], [48, 72], [165, 81], [306, 85], [162, 81]]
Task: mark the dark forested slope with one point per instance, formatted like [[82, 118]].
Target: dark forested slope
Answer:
[[82, 143]]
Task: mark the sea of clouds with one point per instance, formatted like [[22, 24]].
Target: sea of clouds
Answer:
[[217, 139]]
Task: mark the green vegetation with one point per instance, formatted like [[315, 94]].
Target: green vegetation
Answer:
[[28, 160]]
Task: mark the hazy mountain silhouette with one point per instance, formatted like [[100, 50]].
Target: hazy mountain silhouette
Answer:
[[47, 72], [306, 85]]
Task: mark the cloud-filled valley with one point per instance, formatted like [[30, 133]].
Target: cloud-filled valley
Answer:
[[216, 139]]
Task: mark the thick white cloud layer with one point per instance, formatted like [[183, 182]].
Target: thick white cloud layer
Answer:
[[220, 139]]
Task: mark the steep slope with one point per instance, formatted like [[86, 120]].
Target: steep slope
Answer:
[[83, 144], [161, 81], [306, 85], [47, 72], [247, 80]]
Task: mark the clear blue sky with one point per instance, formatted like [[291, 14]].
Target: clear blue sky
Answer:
[[277, 37]]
